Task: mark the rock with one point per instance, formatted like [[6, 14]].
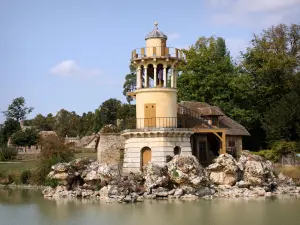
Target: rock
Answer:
[[140, 199], [171, 192], [104, 192], [60, 176], [60, 167], [155, 176], [162, 194], [178, 193], [94, 165], [48, 192], [243, 184], [186, 170], [204, 192], [107, 172], [188, 197], [224, 171], [92, 175]]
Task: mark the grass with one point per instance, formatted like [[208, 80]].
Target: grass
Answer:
[[291, 171]]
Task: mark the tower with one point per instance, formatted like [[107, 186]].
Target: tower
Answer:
[[155, 134]]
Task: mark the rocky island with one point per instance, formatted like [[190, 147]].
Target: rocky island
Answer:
[[182, 178]]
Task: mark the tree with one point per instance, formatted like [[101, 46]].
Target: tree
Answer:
[[109, 111], [126, 111], [10, 127], [67, 123], [130, 84], [27, 137], [97, 122], [271, 65], [17, 109]]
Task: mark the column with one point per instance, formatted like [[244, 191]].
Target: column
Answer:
[[155, 75], [175, 78], [146, 77], [172, 77], [138, 78], [165, 76]]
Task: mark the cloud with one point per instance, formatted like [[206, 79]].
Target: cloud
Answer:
[[173, 36], [69, 68], [258, 13]]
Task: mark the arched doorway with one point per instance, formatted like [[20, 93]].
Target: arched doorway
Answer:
[[177, 150], [145, 156]]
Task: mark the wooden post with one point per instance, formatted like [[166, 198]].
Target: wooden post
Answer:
[[223, 151]]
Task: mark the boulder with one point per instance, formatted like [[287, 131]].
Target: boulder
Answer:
[[60, 167], [224, 171], [256, 170], [60, 176], [155, 176], [186, 170]]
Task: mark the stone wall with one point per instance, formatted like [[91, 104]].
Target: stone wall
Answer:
[[110, 148], [160, 143]]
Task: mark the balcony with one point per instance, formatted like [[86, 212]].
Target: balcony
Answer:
[[155, 52]]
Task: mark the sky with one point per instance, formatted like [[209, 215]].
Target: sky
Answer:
[[73, 55]]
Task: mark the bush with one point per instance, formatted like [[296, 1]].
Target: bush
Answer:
[[51, 182], [7, 153], [268, 154], [282, 148], [25, 176]]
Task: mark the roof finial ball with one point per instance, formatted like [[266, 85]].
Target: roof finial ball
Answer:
[[156, 24]]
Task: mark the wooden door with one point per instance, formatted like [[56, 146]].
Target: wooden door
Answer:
[[150, 115], [146, 156]]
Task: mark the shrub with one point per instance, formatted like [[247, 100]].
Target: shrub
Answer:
[[282, 148], [25, 176], [268, 154], [7, 153], [51, 182]]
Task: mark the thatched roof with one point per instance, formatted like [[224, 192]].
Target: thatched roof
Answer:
[[47, 133], [204, 109]]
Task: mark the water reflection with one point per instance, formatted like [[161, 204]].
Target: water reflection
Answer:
[[29, 208]]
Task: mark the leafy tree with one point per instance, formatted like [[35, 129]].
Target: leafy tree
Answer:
[[130, 84], [27, 137], [126, 111], [109, 111], [18, 110], [67, 123], [10, 127], [97, 121]]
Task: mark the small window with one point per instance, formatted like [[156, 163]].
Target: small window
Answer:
[[177, 150], [215, 121]]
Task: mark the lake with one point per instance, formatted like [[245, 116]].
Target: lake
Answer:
[[28, 207]]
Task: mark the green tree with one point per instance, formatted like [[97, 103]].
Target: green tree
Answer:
[[67, 123], [10, 126], [27, 137], [126, 111], [97, 121], [109, 111], [17, 110], [129, 84]]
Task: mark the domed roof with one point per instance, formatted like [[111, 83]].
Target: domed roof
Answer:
[[156, 33]]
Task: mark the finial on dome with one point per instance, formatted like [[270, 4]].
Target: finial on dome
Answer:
[[156, 24]]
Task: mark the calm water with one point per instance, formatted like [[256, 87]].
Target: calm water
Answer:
[[27, 207]]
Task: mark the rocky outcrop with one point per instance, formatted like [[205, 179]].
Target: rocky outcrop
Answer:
[[224, 170], [255, 170], [181, 178], [186, 171]]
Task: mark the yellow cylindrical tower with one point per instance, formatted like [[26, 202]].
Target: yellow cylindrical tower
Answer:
[[156, 82]]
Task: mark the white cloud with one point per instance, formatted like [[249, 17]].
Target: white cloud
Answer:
[[173, 36], [258, 13], [69, 68]]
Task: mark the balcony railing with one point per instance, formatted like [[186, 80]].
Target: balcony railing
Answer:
[[158, 51]]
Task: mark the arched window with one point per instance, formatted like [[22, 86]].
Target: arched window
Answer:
[[177, 150]]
